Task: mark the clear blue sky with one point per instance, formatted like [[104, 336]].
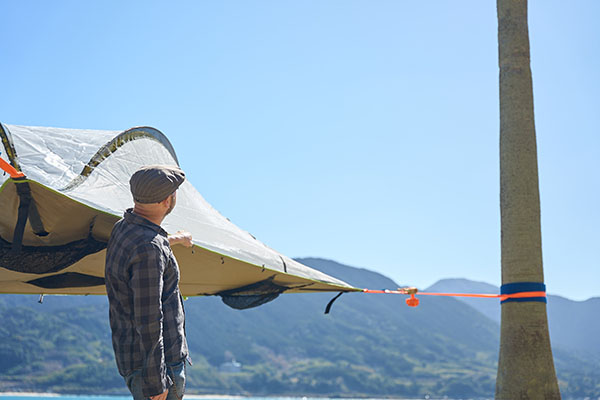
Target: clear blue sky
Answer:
[[360, 131]]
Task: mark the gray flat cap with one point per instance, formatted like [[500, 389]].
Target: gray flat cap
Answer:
[[154, 183]]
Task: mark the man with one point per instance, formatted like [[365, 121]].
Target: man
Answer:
[[142, 282]]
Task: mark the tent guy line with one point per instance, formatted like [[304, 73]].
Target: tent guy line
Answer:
[[518, 291]]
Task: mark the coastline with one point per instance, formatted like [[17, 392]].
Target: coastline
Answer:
[[29, 394]]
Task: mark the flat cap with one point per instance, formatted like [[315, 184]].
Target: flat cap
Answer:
[[154, 183]]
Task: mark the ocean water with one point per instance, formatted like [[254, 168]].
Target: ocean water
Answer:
[[51, 396]]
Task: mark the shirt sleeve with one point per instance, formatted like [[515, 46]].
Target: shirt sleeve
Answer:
[[146, 283]]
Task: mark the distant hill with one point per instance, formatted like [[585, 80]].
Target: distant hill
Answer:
[[574, 325], [368, 346]]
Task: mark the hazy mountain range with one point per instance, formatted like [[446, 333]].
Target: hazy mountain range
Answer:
[[369, 345], [574, 325]]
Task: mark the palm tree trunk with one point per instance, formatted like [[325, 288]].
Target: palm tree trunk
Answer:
[[526, 366]]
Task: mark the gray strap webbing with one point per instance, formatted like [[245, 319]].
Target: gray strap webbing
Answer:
[[27, 210]]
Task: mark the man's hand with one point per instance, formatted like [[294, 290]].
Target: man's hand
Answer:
[[161, 396], [181, 237]]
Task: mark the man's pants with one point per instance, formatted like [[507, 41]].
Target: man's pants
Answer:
[[177, 373]]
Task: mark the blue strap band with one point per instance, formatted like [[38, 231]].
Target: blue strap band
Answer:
[[519, 287]]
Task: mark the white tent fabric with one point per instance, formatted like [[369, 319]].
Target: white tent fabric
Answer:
[[55, 158]]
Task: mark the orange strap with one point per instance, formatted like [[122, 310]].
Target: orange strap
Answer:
[[413, 301], [522, 295], [10, 169]]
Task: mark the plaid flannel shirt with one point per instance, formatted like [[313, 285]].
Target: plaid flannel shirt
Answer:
[[145, 305]]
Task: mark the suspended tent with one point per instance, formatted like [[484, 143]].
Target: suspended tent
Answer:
[[64, 190]]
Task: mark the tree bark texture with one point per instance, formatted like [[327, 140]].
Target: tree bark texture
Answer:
[[526, 366]]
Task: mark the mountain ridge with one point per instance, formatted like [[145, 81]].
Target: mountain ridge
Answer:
[[368, 346]]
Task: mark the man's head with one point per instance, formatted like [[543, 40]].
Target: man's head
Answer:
[[154, 186], [154, 183]]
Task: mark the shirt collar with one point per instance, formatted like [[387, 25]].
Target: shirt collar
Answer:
[[133, 218]]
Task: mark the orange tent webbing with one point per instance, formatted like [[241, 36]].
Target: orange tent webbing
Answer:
[[10, 169], [413, 301]]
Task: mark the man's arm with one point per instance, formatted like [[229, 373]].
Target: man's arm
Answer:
[[146, 283]]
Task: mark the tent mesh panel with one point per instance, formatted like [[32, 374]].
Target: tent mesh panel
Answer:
[[252, 295], [46, 259], [67, 280]]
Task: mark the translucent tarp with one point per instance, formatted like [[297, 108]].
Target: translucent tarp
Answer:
[[55, 158]]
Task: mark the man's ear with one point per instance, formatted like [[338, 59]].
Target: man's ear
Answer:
[[165, 203]]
